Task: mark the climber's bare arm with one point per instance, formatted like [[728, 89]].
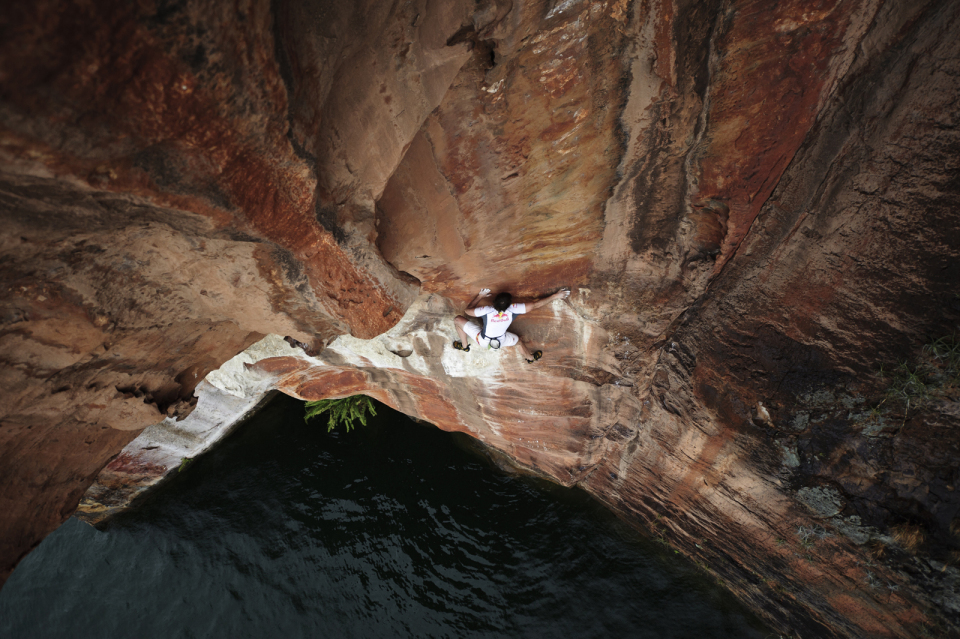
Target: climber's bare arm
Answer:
[[563, 293], [475, 302]]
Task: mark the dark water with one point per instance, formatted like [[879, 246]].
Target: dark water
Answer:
[[393, 530]]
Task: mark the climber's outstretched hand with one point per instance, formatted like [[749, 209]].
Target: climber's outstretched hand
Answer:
[[484, 292], [563, 293]]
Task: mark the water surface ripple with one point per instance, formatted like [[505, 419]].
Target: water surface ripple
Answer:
[[393, 530]]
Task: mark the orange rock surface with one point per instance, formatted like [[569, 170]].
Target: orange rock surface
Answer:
[[755, 203]]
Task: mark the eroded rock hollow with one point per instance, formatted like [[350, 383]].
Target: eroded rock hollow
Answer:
[[755, 203]]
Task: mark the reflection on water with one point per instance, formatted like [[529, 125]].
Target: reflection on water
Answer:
[[391, 530]]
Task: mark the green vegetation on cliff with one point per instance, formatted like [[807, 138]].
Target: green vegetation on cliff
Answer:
[[936, 375], [342, 411]]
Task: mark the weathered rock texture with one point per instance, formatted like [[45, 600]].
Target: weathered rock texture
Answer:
[[755, 202]]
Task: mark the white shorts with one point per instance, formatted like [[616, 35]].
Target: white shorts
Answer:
[[507, 339]]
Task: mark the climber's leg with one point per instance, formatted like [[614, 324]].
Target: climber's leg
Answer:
[[458, 322], [523, 349]]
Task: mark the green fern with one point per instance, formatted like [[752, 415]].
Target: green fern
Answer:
[[342, 411]]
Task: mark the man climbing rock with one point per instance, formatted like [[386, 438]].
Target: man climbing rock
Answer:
[[496, 321]]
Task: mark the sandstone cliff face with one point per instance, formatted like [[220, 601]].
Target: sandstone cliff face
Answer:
[[755, 203]]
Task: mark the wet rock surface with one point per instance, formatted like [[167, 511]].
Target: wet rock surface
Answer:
[[755, 204]]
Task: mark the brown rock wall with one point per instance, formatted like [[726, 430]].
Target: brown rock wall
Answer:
[[495, 397], [159, 216], [755, 203], [112, 312], [800, 320], [185, 106], [507, 179]]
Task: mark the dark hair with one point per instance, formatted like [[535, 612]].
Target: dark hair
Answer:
[[502, 301]]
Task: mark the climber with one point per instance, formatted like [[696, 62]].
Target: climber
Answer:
[[496, 320]]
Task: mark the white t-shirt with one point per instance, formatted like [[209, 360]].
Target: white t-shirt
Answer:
[[498, 322]]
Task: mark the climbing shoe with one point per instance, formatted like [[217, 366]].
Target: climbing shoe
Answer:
[[460, 347], [536, 355]]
